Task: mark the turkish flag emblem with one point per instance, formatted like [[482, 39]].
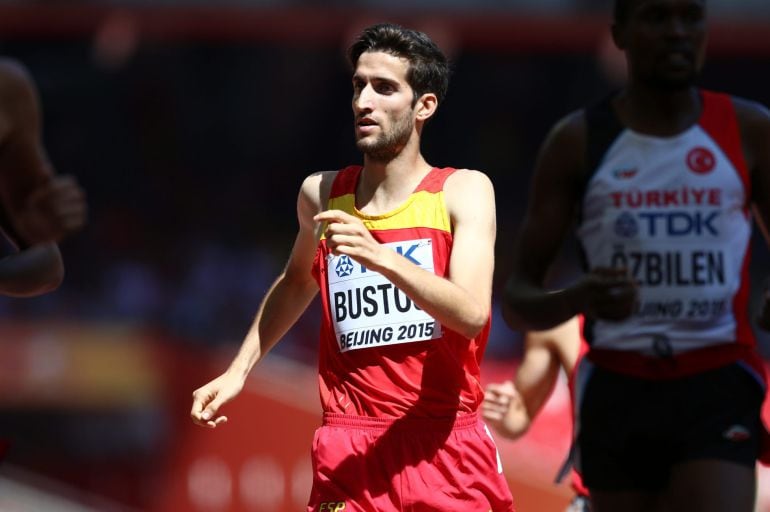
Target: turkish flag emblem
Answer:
[[701, 160]]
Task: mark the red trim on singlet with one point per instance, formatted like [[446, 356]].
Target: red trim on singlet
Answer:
[[720, 122], [433, 182], [576, 480], [346, 180]]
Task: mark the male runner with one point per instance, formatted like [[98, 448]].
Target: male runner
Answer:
[[404, 259], [37, 208], [663, 178]]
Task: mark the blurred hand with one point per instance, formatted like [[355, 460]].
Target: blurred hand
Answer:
[[504, 409], [52, 211], [208, 399], [607, 294]]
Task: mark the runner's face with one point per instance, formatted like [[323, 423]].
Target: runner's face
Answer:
[[383, 106], [664, 41]]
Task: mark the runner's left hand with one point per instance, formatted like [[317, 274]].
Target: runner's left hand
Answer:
[[346, 234]]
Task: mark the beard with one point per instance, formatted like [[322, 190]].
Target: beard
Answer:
[[388, 145]]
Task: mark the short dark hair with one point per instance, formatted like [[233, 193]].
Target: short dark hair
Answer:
[[428, 66]]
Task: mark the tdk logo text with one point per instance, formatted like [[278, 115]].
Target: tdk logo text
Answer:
[[345, 266], [408, 252], [666, 224]]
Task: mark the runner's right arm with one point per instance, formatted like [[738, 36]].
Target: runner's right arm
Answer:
[[554, 199], [283, 304]]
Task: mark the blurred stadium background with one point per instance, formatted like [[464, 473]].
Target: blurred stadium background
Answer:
[[191, 124]]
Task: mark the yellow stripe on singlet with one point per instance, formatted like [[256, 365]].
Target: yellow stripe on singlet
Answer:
[[422, 210]]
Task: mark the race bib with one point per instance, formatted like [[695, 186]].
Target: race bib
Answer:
[[369, 311]]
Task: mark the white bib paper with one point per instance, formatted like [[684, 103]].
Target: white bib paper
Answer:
[[369, 311]]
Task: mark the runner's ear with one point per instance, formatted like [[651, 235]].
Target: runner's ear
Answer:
[[426, 106]]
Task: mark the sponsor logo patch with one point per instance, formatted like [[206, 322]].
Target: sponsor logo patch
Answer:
[[626, 225], [331, 506], [344, 266], [625, 173], [737, 433]]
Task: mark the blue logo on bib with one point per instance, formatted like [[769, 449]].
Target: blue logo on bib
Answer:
[[344, 266], [626, 225]]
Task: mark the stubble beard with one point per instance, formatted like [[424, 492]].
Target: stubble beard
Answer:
[[387, 146]]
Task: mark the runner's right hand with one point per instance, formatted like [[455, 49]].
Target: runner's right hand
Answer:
[[208, 399]]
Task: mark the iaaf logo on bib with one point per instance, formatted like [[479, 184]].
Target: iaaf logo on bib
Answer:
[[345, 265]]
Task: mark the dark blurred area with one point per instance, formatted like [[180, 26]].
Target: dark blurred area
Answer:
[[191, 127]]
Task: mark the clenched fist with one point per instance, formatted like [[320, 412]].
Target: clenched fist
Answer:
[[52, 211]]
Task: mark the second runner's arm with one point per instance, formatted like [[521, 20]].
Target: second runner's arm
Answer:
[[555, 195]]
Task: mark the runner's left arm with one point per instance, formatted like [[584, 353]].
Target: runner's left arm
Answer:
[[755, 129]]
